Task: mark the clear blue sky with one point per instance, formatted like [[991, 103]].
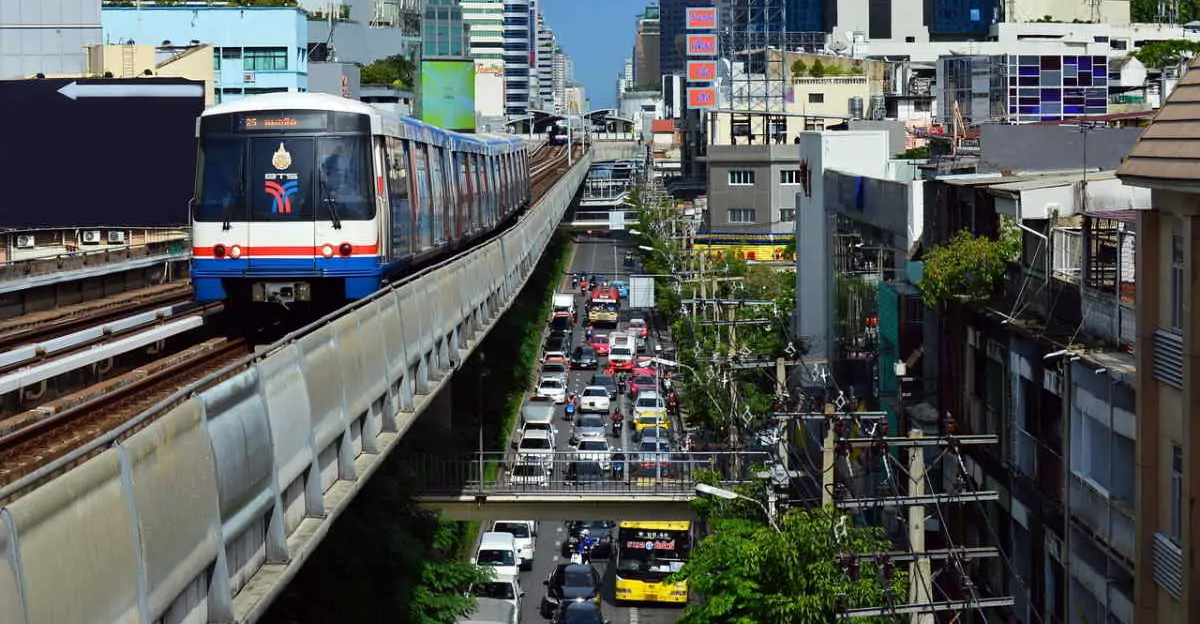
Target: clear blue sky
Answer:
[[598, 36]]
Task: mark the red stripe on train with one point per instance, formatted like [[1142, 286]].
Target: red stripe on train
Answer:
[[300, 251]]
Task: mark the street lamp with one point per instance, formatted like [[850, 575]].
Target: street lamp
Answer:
[[708, 490], [646, 248]]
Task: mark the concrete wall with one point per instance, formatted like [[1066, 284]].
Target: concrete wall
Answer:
[[363, 36], [46, 36], [1041, 148], [192, 63], [341, 79], [209, 510], [767, 196]]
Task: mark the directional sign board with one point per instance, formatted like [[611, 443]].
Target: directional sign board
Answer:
[[77, 153], [641, 292], [616, 219]]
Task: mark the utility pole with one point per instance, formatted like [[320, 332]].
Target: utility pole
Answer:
[[922, 600]]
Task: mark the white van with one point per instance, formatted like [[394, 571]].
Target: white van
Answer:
[[498, 551], [563, 303], [621, 348], [525, 533]]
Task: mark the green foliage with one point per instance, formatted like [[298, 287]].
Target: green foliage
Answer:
[[1145, 11], [440, 595], [1160, 54], [747, 573], [698, 343], [397, 70], [799, 67], [817, 70], [915, 153], [968, 267]]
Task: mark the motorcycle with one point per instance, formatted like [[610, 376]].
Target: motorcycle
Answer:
[[617, 427], [569, 411]]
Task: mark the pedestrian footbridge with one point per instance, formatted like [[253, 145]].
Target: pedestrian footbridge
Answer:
[[564, 485], [204, 506]]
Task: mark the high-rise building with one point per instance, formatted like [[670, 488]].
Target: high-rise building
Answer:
[[520, 54], [48, 37], [671, 15], [647, 67], [443, 32], [806, 16], [559, 78], [546, 45], [485, 19]]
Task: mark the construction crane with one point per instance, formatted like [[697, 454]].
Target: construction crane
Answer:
[[959, 128]]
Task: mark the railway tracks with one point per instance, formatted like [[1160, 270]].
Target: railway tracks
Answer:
[[50, 324]]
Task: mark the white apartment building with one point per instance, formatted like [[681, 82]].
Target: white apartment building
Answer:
[[558, 78], [546, 44], [486, 19], [520, 47]]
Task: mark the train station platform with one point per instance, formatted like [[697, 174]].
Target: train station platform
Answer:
[[70, 266]]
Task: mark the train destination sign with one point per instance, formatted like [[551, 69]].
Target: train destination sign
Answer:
[[284, 121]]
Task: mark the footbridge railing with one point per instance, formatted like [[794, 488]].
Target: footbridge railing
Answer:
[[204, 507]]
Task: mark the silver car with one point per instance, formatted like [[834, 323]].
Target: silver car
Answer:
[[588, 426]]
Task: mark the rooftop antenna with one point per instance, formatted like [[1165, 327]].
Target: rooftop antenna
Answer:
[[1096, 17]]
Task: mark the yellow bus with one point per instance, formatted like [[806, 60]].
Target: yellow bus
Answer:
[[647, 553]]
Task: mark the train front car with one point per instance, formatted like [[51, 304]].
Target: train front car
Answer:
[[285, 209]]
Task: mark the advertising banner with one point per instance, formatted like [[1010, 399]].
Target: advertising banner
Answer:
[[702, 97], [448, 94], [701, 18], [701, 71], [701, 45]]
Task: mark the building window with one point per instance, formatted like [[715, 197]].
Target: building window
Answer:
[[787, 215], [216, 59], [789, 177], [741, 178], [1176, 493], [816, 98], [816, 124], [741, 215], [265, 59], [1177, 280], [922, 106]]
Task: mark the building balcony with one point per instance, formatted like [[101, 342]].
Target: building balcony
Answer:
[[1107, 595], [829, 81], [334, 11], [1106, 519]]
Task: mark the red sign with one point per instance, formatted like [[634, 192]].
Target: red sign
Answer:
[[701, 71], [702, 97], [651, 545], [701, 45], [701, 18]]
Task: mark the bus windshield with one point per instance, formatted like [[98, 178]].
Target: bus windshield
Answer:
[[651, 554]]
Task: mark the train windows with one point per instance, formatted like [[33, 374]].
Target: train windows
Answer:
[[424, 211], [398, 201], [221, 191], [480, 190], [453, 222], [281, 179], [464, 194], [344, 179], [437, 204]]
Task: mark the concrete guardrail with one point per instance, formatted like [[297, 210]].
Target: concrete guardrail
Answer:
[[206, 512]]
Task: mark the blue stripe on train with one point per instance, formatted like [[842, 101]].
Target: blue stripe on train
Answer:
[[361, 275]]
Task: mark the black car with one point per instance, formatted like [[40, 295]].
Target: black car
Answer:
[[607, 382], [568, 583], [586, 474], [602, 530], [579, 612], [562, 344], [584, 358]]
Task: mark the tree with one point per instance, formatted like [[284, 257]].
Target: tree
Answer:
[[818, 69], [799, 67], [744, 572], [1168, 53], [914, 153], [397, 70], [968, 267], [441, 595]]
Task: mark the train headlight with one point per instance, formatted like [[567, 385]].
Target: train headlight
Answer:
[[327, 251], [218, 251], [345, 249], [235, 252]]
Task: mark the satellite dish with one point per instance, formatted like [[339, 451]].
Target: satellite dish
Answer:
[[838, 45]]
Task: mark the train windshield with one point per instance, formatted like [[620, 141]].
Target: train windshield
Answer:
[[284, 178]]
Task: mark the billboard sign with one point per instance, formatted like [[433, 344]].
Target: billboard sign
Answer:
[[702, 97], [701, 45], [107, 152], [701, 71], [701, 18], [448, 94], [641, 292]]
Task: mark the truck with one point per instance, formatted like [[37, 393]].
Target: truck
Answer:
[[604, 307]]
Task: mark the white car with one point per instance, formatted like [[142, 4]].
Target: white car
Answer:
[[597, 450], [530, 473], [553, 387], [525, 532], [553, 354], [649, 405], [536, 446], [594, 399], [541, 426], [506, 589]]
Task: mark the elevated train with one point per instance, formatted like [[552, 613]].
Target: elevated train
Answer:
[[308, 197]]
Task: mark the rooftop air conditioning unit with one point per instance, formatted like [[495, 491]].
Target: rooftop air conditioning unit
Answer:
[[116, 237], [26, 241], [91, 237], [248, 77]]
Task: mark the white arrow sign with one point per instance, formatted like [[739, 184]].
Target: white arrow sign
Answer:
[[132, 89]]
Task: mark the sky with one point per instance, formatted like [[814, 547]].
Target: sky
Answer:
[[598, 36]]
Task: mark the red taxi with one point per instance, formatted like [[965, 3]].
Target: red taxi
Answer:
[[599, 342]]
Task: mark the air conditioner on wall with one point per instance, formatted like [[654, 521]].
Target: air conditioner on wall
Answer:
[[248, 77], [91, 237], [26, 241], [116, 237]]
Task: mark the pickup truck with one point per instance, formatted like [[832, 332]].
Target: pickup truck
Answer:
[[594, 399]]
